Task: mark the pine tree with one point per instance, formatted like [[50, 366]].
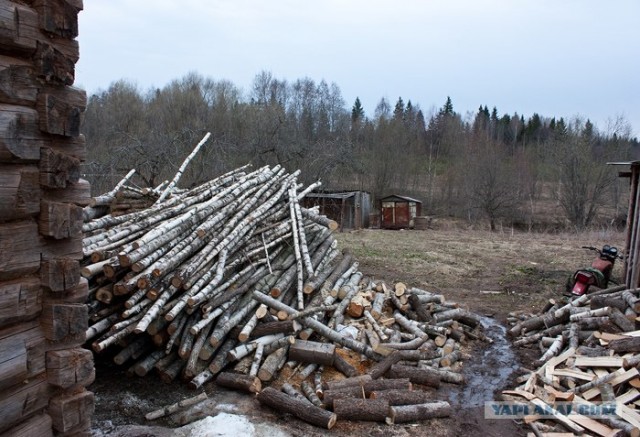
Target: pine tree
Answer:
[[357, 112], [447, 109], [398, 111], [588, 130]]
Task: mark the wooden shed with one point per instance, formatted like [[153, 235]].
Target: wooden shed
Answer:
[[43, 368], [397, 212], [349, 208]]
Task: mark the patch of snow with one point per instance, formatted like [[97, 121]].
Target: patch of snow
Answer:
[[228, 425], [222, 425], [227, 408]]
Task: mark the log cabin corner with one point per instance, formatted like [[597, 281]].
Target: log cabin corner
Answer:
[[44, 371]]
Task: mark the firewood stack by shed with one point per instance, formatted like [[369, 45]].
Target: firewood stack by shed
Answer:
[[234, 280], [586, 380]]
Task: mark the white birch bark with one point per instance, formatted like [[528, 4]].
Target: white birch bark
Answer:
[[186, 162]]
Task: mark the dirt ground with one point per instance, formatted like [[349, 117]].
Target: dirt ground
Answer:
[[491, 274]]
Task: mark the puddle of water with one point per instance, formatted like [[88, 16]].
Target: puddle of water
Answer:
[[487, 370]]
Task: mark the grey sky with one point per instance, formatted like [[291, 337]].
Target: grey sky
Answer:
[[555, 57]]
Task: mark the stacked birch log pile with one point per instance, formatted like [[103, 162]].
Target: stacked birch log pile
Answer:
[[124, 198], [234, 280], [590, 352]]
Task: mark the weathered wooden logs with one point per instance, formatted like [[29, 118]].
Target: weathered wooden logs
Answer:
[[410, 413], [303, 410]]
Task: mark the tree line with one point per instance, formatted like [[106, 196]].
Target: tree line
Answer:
[[476, 166]]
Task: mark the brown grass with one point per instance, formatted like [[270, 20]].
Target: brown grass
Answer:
[[522, 270]]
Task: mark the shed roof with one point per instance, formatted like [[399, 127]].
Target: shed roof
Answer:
[[396, 198], [343, 195]]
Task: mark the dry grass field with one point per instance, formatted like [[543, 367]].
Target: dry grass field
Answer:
[[489, 272]]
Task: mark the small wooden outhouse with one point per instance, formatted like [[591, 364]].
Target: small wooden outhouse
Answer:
[[397, 212]]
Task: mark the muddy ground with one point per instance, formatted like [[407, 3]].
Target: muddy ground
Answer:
[[491, 274]]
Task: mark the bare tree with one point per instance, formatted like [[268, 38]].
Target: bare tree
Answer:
[[492, 182], [583, 176]]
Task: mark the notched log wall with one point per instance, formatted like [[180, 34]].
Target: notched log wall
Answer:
[[43, 369]]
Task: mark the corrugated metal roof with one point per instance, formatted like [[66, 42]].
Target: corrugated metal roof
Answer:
[[405, 198]]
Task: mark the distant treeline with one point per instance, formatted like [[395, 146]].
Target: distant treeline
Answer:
[[477, 166]]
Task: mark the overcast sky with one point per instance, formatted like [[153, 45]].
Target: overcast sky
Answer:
[[555, 57]]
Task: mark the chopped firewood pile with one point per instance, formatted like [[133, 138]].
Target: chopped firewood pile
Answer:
[[234, 281], [587, 379]]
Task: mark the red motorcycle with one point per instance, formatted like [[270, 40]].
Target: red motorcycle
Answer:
[[599, 274]]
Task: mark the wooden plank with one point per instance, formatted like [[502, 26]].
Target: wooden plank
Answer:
[[607, 336], [629, 396], [39, 425], [20, 300], [72, 412], [560, 395], [628, 414], [582, 361], [22, 400], [591, 425], [560, 418], [521, 393], [632, 430], [70, 367], [19, 191], [60, 110], [19, 249], [622, 377], [552, 434], [552, 362], [64, 323], [574, 374]]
